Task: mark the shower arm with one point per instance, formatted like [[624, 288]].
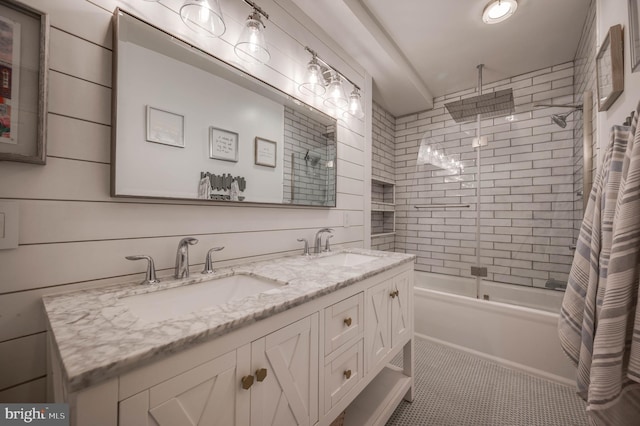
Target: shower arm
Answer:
[[573, 106]]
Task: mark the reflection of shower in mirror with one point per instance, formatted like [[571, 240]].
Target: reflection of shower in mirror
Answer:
[[311, 158]]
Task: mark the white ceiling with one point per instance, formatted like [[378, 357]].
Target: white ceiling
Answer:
[[418, 49]]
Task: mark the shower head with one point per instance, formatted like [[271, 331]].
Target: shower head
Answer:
[[561, 119]]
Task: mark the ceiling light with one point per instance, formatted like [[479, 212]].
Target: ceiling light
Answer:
[[336, 96], [203, 17], [499, 10], [314, 83], [251, 46]]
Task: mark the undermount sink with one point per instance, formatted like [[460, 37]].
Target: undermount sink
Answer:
[[174, 302], [346, 259]]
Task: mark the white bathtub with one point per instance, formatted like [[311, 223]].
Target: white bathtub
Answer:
[[501, 329]]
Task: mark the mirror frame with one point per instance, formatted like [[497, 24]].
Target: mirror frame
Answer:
[[241, 74]]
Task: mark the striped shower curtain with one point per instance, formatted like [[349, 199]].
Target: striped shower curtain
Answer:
[[599, 325]]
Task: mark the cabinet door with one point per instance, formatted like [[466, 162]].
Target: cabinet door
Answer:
[[377, 323], [401, 311], [205, 395], [288, 395]]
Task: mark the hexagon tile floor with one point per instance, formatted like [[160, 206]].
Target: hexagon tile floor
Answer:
[[454, 388]]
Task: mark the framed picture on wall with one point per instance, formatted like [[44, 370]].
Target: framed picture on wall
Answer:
[[610, 69], [164, 127], [223, 145], [634, 34], [266, 152], [24, 57]]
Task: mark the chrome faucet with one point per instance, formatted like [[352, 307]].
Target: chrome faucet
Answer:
[[318, 247], [182, 257]]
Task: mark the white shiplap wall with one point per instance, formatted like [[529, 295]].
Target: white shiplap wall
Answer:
[[73, 235]]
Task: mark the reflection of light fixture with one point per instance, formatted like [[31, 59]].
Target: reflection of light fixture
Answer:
[[336, 96], [203, 17], [355, 105], [432, 153], [314, 83], [251, 46], [499, 10]]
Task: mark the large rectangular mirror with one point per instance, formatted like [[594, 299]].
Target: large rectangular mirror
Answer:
[[187, 125]]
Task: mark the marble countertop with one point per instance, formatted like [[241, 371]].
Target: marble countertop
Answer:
[[98, 337]]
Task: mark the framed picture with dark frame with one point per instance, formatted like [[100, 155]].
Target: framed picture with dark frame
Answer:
[[266, 151], [634, 34], [24, 64], [610, 68]]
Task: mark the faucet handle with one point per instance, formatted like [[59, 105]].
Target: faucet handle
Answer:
[[189, 240], [306, 246], [150, 277], [208, 263], [327, 246]]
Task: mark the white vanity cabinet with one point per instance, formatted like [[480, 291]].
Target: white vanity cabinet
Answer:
[[389, 317], [302, 366], [282, 390], [288, 395], [207, 394]]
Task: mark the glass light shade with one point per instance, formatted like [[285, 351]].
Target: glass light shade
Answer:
[[499, 10], [336, 96], [355, 105], [203, 17], [313, 83], [251, 46]]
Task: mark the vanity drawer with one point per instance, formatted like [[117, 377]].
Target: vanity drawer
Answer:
[[343, 322], [342, 374]]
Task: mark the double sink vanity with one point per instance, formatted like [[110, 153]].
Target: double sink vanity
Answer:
[[296, 340], [288, 341]]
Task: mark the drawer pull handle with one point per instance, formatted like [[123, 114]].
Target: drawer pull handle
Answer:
[[393, 294], [347, 321], [247, 382], [261, 374], [347, 374]]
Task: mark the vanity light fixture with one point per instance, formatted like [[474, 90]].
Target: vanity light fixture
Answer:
[[336, 95], [314, 83], [498, 11], [204, 17], [355, 104], [251, 46], [323, 79]]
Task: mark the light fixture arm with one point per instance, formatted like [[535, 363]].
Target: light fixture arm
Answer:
[[317, 58], [257, 9]]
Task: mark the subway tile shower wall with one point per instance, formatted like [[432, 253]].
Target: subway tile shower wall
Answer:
[[527, 190], [584, 80], [383, 168], [307, 179]]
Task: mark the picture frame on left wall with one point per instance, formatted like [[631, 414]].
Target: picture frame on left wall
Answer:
[[634, 34], [24, 65]]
